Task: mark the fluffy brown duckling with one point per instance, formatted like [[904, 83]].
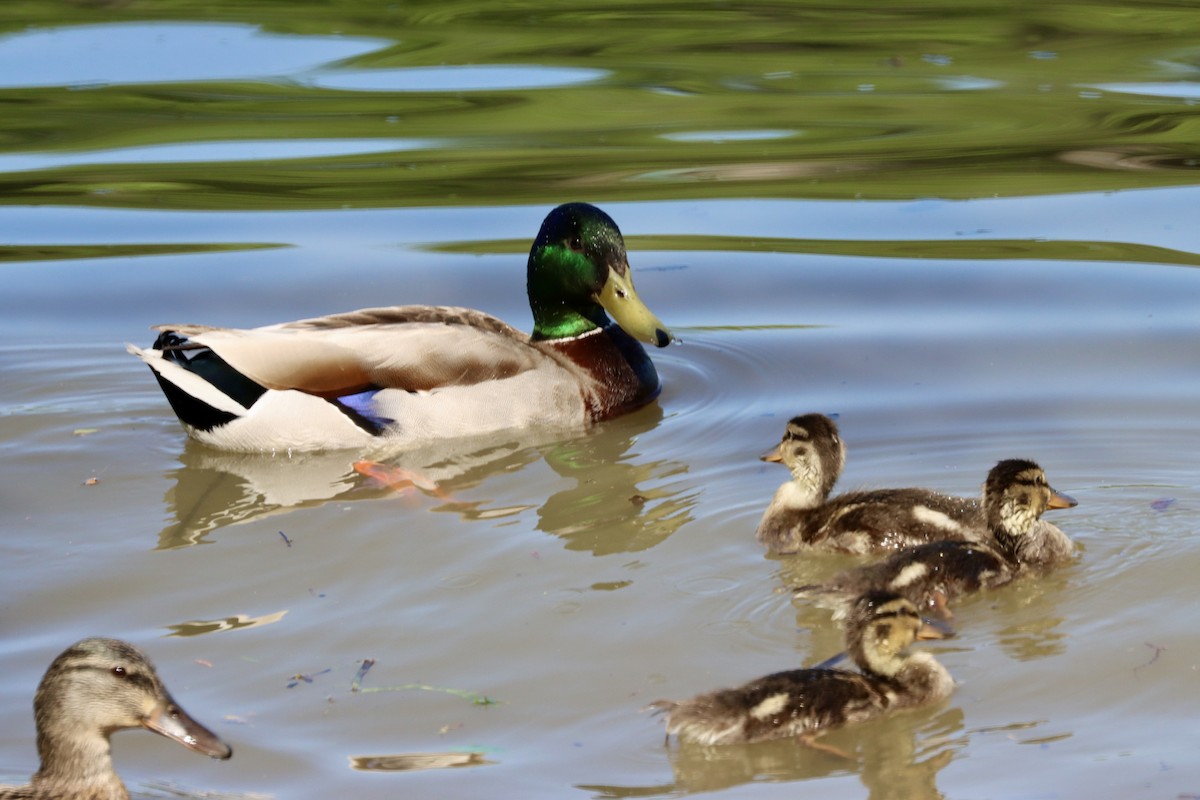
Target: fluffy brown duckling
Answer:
[[805, 703], [802, 514], [93, 689], [1015, 495]]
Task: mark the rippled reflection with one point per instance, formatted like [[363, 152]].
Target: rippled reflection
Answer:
[[760, 113], [986, 218], [619, 502], [476, 78], [139, 52], [894, 760]]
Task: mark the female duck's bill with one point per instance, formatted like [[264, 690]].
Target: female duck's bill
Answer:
[[169, 720]]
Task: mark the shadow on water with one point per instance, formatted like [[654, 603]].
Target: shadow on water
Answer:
[[893, 762], [618, 501], [1030, 607], [607, 511]]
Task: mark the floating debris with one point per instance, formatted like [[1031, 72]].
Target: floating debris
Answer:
[[1158, 651], [286, 540], [363, 669], [301, 677], [408, 762], [474, 697], [610, 586], [198, 626], [238, 719], [1163, 503], [84, 431]]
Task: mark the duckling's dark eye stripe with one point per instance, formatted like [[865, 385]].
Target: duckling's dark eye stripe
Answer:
[[1030, 479], [898, 612]]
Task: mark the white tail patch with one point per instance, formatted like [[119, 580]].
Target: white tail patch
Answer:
[[188, 382], [770, 706], [937, 519], [909, 575]]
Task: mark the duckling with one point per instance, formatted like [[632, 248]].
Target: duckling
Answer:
[[92, 689], [406, 375], [805, 703], [1015, 495], [802, 515]]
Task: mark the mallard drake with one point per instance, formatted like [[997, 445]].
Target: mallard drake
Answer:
[[409, 374], [805, 703], [94, 688], [802, 514], [1015, 495]]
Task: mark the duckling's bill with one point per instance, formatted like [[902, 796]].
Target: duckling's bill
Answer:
[[774, 455], [1060, 500], [934, 629], [171, 721], [618, 298]]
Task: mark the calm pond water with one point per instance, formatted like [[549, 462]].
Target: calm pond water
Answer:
[[968, 230]]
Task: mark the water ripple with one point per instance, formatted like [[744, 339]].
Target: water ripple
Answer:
[[474, 78], [161, 52], [193, 152]]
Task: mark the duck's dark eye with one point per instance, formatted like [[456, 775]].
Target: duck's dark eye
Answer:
[[576, 244], [119, 672]]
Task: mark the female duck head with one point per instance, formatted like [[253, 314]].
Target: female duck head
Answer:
[[578, 270], [98, 686]]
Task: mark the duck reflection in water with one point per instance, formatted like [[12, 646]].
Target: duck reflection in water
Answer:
[[896, 758], [616, 502]]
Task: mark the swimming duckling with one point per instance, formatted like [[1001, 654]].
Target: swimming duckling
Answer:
[[408, 375], [1014, 497], [807, 702], [93, 689], [802, 515]]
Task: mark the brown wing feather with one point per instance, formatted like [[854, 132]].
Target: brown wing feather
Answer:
[[413, 348]]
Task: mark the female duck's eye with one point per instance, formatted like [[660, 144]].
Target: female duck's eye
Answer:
[[119, 672]]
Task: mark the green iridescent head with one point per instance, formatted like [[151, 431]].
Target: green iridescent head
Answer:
[[578, 270]]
